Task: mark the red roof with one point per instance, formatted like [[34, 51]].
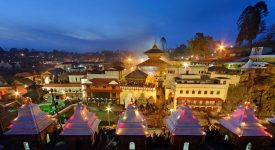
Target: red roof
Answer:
[[199, 99], [102, 81]]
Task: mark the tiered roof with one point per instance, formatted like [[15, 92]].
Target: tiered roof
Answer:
[[82, 122], [137, 74], [183, 122], [131, 122], [243, 122], [30, 120]]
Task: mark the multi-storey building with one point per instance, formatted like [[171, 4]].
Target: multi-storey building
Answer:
[[199, 91]]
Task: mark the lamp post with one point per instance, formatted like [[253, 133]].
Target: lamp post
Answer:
[[108, 109], [56, 111]]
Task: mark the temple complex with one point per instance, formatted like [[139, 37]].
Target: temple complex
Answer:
[[184, 128], [243, 127], [32, 128], [79, 131], [132, 129]]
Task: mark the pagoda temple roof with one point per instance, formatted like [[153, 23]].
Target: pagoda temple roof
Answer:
[[137, 74], [153, 62], [30, 121], [183, 122], [82, 122], [131, 122], [154, 49], [243, 122]]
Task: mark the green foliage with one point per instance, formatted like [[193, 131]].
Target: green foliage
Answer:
[[251, 22], [201, 45]]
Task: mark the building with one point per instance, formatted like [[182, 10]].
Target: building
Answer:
[[199, 91], [4, 87], [32, 128], [80, 130], [75, 77], [111, 73], [184, 128], [243, 127], [136, 86], [182, 67], [154, 65], [65, 90], [131, 129], [105, 89], [136, 78], [259, 58]]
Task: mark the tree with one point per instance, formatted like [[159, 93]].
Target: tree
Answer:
[[201, 45], [35, 92], [251, 22]]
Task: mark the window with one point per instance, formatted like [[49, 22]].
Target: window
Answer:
[[212, 92], [186, 146], [199, 92], [113, 87], [224, 82], [181, 91], [218, 92], [205, 92], [193, 92], [187, 92]]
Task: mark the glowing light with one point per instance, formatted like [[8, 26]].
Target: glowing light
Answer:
[[124, 117], [141, 60], [136, 112], [16, 93], [171, 110], [243, 124], [108, 109], [132, 68], [25, 86], [146, 132], [129, 59], [221, 47], [185, 65]]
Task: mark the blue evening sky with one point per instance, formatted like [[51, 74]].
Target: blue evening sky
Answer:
[[90, 25]]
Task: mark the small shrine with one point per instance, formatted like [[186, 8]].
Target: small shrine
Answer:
[[79, 131], [243, 127], [32, 128], [184, 128], [132, 129]]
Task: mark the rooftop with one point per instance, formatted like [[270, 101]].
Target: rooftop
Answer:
[[243, 122], [131, 122], [30, 120], [82, 122], [183, 122]]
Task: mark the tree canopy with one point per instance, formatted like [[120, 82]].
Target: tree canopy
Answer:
[[251, 22], [201, 45]]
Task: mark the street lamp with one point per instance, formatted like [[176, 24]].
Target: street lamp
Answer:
[[108, 109]]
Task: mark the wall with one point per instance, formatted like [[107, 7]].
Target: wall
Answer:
[[136, 92]]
